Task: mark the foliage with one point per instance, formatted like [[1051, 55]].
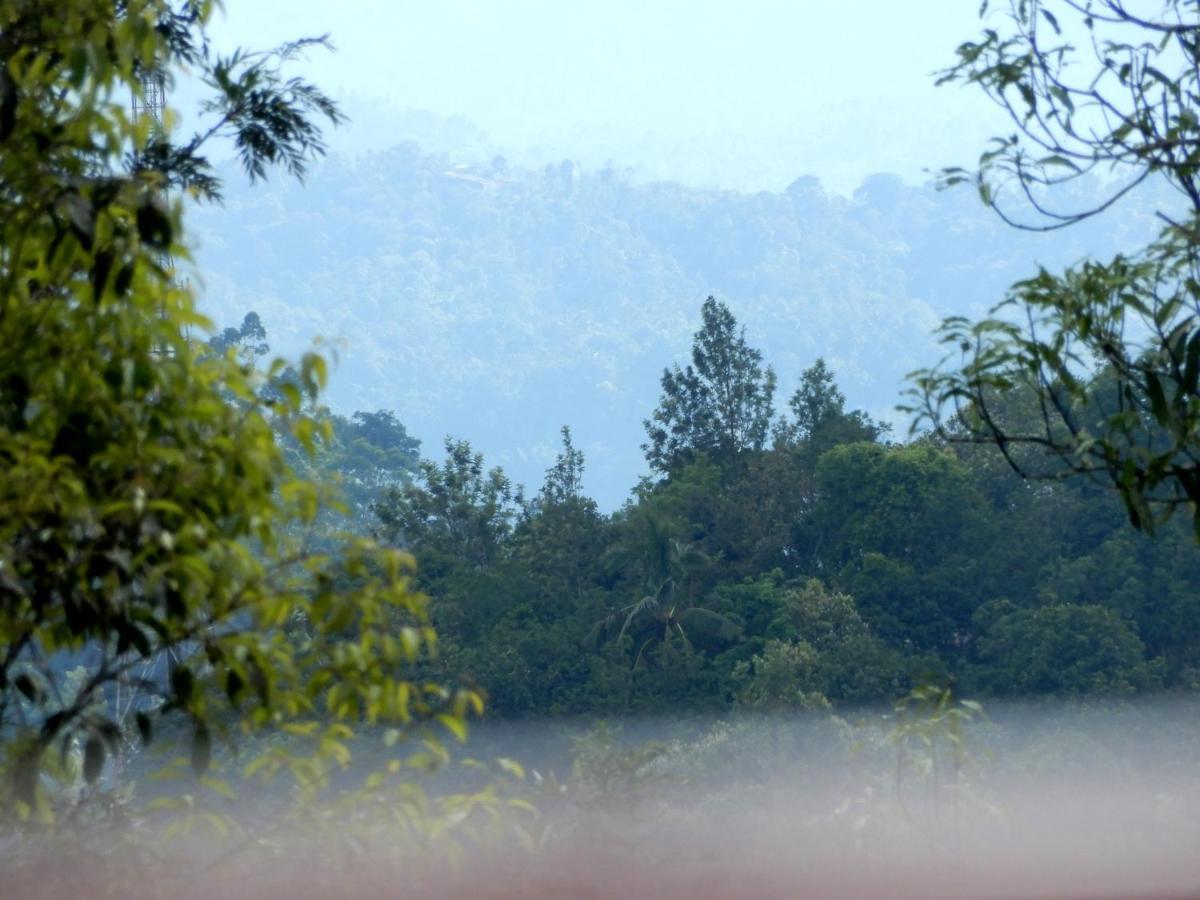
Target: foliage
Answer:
[[611, 771], [820, 420], [564, 480], [784, 676], [366, 453], [719, 405], [929, 737], [850, 569], [456, 510], [1110, 350], [150, 529], [898, 527], [248, 341], [1064, 650], [664, 615]]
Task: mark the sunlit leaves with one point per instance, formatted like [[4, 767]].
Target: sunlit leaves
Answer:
[[150, 526]]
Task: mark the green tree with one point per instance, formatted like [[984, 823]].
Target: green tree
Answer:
[[665, 615], [783, 676], [1110, 350], [145, 519], [367, 454], [903, 530], [719, 405], [1065, 650], [453, 514], [248, 341], [564, 536], [363, 454], [806, 623], [819, 418]]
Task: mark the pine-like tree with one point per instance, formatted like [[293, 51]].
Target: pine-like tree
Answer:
[[720, 405]]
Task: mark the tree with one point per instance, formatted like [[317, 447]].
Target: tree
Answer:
[[903, 531], [812, 643], [564, 535], [783, 676], [664, 615], [820, 420], [248, 341], [145, 518], [1063, 649], [1110, 350], [719, 405], [564, 480], [456, 513], [370, 452]]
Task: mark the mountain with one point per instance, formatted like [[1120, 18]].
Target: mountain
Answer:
[[498, 303]]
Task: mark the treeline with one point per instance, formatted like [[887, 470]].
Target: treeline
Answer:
[[775, 560], [498, 302]]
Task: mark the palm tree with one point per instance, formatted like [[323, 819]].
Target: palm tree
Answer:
[[664, 614]]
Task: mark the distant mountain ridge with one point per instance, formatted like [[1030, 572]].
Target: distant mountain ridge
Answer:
[[497, 303]]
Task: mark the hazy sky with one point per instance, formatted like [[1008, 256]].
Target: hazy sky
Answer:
[[748, 94]]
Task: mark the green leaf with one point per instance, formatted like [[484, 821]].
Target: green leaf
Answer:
[[28, 687], [183, 683], [1158, 400], [153, 225], [233, 685], [1191, 369], [455, 725]]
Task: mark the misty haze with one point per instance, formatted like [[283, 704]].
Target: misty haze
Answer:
[[539, 449]]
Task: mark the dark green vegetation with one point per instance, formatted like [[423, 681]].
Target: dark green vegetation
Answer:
[[787, 560]]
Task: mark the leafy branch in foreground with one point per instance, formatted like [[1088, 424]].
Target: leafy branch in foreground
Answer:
[[1104, 359], [151, 531]]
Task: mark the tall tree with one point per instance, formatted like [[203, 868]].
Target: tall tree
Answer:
[[819, 417], [666, 612], [248, 341], [456, 513], [1110, 350], [720, 405], [145, 518], [564, 479]]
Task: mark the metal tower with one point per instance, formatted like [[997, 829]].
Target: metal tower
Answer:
[[152, 101]]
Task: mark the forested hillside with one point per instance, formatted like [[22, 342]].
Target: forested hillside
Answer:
[[499, 303], [785, 553]]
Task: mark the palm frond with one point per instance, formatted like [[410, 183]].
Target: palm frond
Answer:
[[649, 607], [603, 630]]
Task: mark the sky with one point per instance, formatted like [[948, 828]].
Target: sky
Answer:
[[746, 95]]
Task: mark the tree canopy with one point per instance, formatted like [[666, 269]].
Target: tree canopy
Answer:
[[720, 404]]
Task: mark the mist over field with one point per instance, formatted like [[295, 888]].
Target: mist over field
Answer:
[[1028, 802]]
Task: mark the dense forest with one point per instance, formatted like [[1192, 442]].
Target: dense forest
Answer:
[[777, 558]]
